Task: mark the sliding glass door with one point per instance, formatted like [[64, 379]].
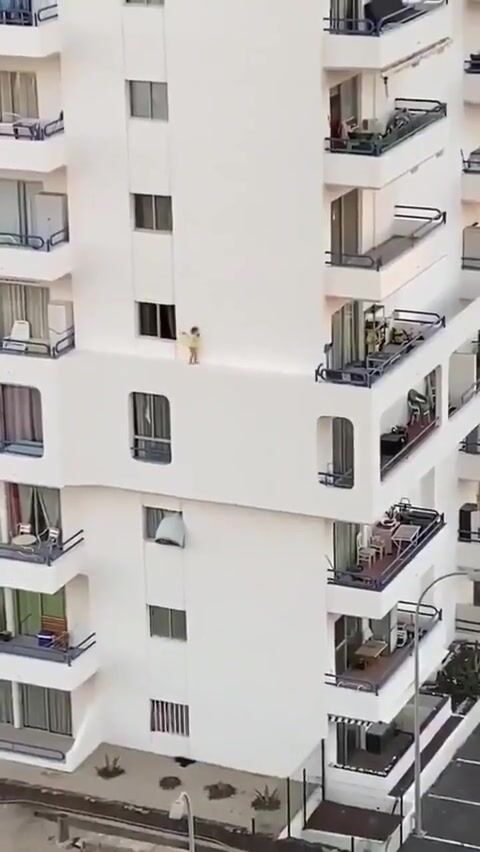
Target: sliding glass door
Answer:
[[17, 209], [46, 709], [6, 704], [39, 507], [32, 607], [18, 95]]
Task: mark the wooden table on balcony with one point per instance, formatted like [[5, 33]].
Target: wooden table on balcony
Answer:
[[371, 650], [405, 534]]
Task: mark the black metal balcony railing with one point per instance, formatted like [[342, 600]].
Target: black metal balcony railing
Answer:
[[380, 671], [414, 440], [465, 398], [429, 218], [34, 449], [26, 17], [34, 130], [377, 576], [11, 240], [26, 645], [365, 373], [157, 450], [471, 164], [470, 447], [42, 552], [469, 535], [38, 348], [367, 27], [337, 480], [410, 116], [472, 65]]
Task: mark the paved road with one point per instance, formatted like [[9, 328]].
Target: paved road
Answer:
[[451, 809]]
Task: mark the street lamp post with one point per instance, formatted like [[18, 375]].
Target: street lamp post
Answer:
[[473, 575], [181, 807]]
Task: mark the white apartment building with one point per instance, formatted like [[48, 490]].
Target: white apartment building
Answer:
[[222, 560]]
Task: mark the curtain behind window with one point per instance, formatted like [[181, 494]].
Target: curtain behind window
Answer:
[[24, 302], [6, 706], [20, 414]]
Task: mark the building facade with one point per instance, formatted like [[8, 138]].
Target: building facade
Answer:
[[221, 559]]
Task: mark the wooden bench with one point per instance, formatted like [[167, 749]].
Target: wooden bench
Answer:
[[58, 626]]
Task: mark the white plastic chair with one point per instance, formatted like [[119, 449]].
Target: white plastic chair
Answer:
[[24, 529], [18, 337]]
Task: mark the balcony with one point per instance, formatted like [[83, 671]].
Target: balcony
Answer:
[[468, 551], [379, 41], [471, 177], [395, 754], [469, 458], [394, 542], [372, 157], [40, 566], [381, 679], [33, 33], [54, 662], [34, 743], [393, 451], [33, 257], [13, 345], [415, 244], [403, 332], [32, 145], [471, 88], [471, 262]]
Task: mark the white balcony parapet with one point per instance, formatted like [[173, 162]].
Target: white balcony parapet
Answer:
[[35, 257], [42, 568], [366, 43], [48, 663], [371, 158], [45, 151], [384, 269], [408, 330], [471, 92], [380, 691], [33, 33]]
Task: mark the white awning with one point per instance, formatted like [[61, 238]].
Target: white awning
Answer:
[[360, 723]]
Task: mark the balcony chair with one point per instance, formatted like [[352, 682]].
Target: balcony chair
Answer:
[[18, 338], [24, 529], [418, 406]]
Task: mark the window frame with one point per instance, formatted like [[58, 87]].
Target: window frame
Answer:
[[153, 199], [174, 618], [151, 447], [160, 515], [169, 717], [162, 324], [149, 99]]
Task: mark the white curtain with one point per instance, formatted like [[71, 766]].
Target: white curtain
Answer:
[[18, 95], [24, 302]]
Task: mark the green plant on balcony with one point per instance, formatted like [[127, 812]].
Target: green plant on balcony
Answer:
[[460, 677]]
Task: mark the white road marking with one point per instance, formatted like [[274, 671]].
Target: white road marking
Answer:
[[450, 842], [453, 799]]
